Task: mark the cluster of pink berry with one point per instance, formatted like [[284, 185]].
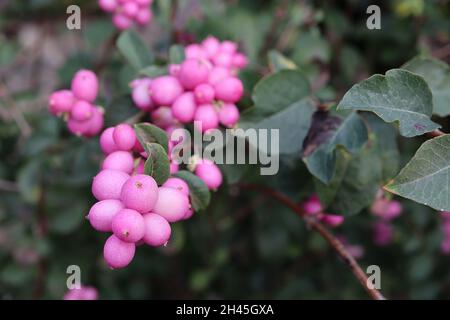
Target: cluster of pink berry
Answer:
[[314, 207], [204, 88], [76, 105], [385, 210], [131, 205], [125, 12], [83, 293], [445, 244]]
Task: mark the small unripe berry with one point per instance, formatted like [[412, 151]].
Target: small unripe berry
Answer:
[[117, 253], [171, 204], [144, 16], [207, 116], [177, 183], [204, 93], [108, 5], [332, 220], [85, 85], [165, 89], [121, 21], [119, 160], [312, 205], [124, 137], [61, 101], [210, 173], [140, 192], [229, 90], [193, 72], [128, 225], [101, 214], [157, 230], [229, 115], [107, 143], [81, 110], [108, 184], [183, 109]]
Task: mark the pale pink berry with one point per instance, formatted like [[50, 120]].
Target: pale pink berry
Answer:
[[96, 122], [81, 110], [174, 167], [229, 115], [140, 192], [143, 3], [174, 69], [163, 118], [165, 90], [209, 173], [229, 90], [101, 214], [188, 214], [193, 72], [108, 5], [83, 293], [177, 183], [117, 253], [171, 204], [240, 61], [195, 51], [140, 168], [121, 21], [332, 220], [119, 160], [138, 147], [394, 209], [204, 93], [124, 137], [211, 46], [61, 101], [183, 109], [128, 225], [79, 128], [217, 74], [206, 118], [107, 143], [141, 95], [130, 8], [312, 205], [228, 47], [144, 16], [85, 85], [157, 230], [108, 184], [223, 59]]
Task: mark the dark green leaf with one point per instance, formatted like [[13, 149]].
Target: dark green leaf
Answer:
[[157, 164], [198, 191], [149, 133], [134, 50], [176, 54]]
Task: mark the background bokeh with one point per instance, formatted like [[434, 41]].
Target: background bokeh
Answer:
[[244, 245]]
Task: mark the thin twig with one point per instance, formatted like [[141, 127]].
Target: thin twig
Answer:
[[324, 232]]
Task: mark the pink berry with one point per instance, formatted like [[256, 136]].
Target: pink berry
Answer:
[[130, 8], [206, 118], [140, 168], [101, 214], [107, 143], [108, 184], [383, 233], [229, 115], [174, 69], [85, 85], [195, 51], [188, 214], [138, 147], [96, 122], [61, 101], [217, 74], [157, 230], [229, 90], [204, 93], [140, 193], [445, 246], [79, 128], [228, 47], [128, 225], [81, 110], [394, 209], [117, 253], [119, 160], [193, 72], [163, 118], [143, 2], [240, 61], [144, 16], [211, 46], [209, 173], [83, 293], [141, 95], [165, 89], [121, 21], [108, 5], [183, 109], [171, 204], [332, 220], [177, 183], [223, 59], [312, 205], [124, 137], [174, 167]]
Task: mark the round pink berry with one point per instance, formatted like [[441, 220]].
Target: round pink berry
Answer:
[[157, 230], [228, 47], [223, 59], [79, 128], [96, 122], [121, 21], [209, 173], [141, 95], [177, 183], [85, 85], [206, 118], [108, 5], [117, 253], [188, 214], [183, 109], [108, 184], [193, 72], [130, 8], [124, 137], [144, 16], [174, 167], [312, 205], [140, 168], [332, 220], [171, 204], [240, 61], [101, 214], [229, 115], [211, 46], [61, 101], [107, 143], [140, 192], [217, 74], [128, 225], [165, 89], [174, 69], [81, 110], [163, 118], [119, 160], [229, 90], [143, 2], [195, 51], [204, 93]]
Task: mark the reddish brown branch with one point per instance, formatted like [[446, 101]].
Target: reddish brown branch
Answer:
[[324, 232]]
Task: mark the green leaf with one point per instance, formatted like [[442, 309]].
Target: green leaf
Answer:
[[153, 71], [119, 110], [327, 134], [149, 133], [278, 61], [134, 50], [437, 74], [157, 164], [198, 191], [425, 179], [176, 54], [398, 96]]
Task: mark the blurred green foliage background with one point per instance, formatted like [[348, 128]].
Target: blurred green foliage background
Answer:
[[244, 245]]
